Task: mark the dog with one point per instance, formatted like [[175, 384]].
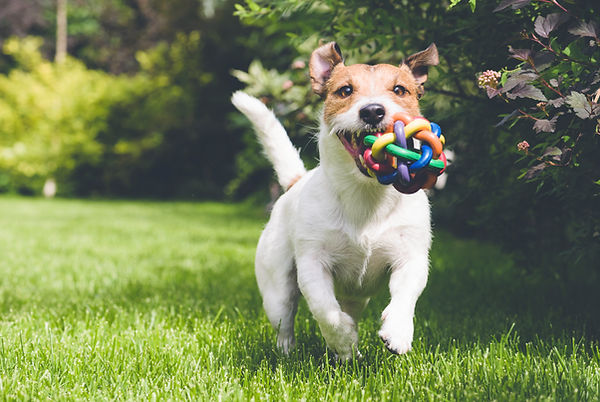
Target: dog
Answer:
[[336, 236]]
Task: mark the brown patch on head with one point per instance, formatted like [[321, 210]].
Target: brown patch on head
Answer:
[[321, 64], [342, 86], [382, 80]]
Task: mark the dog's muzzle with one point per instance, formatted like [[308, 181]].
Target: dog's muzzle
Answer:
[[354, 144]]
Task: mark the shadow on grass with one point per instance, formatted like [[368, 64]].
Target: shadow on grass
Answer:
[[476, 291]]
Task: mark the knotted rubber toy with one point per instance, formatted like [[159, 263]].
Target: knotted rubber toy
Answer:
[[391, 160]]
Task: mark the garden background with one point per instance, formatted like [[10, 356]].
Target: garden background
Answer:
[[115, 100]]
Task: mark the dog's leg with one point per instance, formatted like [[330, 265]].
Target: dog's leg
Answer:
[[338, 328], [276, 278], [406, 284]]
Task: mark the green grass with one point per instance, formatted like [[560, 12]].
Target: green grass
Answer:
[[149, 300]]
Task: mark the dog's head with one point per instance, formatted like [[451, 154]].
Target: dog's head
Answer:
[[360, 99]]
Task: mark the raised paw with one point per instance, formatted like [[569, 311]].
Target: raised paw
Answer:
[[397, 332], [396, 346]]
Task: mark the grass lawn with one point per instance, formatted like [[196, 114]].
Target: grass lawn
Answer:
[[150, 300]]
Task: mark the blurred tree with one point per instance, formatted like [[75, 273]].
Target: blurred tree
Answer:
[[147, 147], [54, 120], [61, 31], [19, 18]]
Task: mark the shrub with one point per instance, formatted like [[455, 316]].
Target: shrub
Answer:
[[159, 132], [57, 119], [553, 90]]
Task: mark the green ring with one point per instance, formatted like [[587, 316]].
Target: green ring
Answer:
[[404, 153]]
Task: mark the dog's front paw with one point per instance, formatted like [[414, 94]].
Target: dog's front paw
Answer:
[[339, 331], [396, 332], [286, 343]]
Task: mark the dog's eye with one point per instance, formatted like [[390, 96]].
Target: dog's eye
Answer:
[[344, 91], [400, 90]]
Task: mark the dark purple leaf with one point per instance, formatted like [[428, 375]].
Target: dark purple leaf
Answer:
[[543, 60], [534, 171], [520, 54], [547, 24], [566, 156], [515, 4], [518, 77], [585, 29], [546, 126], [491, 92], [526, 91], [556, 103]]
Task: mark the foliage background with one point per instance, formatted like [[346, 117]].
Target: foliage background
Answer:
[[141, 108], [544, 210]]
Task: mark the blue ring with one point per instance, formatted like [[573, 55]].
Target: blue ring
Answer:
[[426, 155], [387, 178], [437, 130]]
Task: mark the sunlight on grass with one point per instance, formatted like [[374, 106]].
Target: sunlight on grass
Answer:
[[141, 300]]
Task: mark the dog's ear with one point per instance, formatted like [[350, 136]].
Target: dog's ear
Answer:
[[322, 62], [420, 61]]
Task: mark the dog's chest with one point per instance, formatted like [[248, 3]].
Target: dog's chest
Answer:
[[359, 260]]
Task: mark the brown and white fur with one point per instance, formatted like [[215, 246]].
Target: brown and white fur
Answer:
[[336, 236]]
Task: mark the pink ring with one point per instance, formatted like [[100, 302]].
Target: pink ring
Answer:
[[378, 167]]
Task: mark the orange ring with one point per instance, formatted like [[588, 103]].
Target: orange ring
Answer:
[[403, 117], [433, 141]]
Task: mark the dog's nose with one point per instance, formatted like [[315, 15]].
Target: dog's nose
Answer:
[[372, 114]]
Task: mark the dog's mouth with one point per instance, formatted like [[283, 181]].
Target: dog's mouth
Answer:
[[353, 141]]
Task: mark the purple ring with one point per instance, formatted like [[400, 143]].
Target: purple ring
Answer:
[[403, 173]]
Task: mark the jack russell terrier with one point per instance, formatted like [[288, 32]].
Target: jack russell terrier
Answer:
[[337, 235]]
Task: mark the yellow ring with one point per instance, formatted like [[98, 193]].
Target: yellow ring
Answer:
[[415, 126], [380, 144]]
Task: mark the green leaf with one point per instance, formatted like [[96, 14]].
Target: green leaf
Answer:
[[253, 6], [574, 51], [552, 151]]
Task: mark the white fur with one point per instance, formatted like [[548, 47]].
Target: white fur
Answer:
[[336, 237], [273, 138]]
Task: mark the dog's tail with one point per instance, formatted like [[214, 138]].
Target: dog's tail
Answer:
[[273, 138]]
